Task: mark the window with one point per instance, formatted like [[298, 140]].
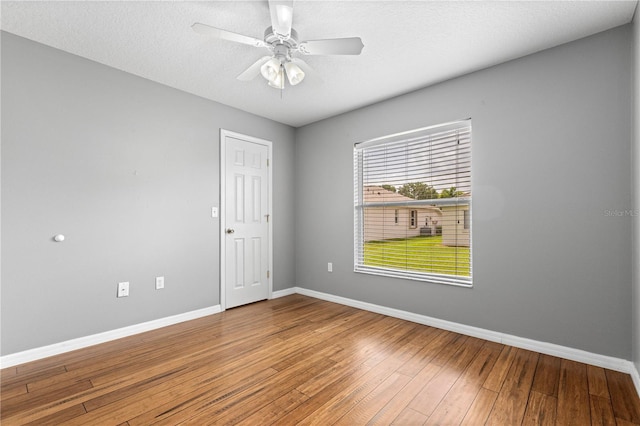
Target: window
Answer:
[[414, 219], [419, 179]]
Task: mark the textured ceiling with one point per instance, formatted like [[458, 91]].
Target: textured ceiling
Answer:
[[408, 44]]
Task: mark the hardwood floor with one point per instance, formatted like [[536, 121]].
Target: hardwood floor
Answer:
[[299, 360]]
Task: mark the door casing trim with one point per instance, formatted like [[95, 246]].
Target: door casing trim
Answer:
[[222, 213]]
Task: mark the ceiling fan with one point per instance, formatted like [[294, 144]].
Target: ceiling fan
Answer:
[[282, 41]]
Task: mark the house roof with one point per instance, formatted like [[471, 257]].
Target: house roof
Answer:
[[377, 194]]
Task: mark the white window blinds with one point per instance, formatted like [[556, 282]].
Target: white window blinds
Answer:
[[413, 205]]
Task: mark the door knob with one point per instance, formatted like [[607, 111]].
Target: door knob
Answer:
[[230, 230]]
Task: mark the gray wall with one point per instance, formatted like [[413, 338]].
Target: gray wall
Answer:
[[551, 153], [128, 171], [636, 193]]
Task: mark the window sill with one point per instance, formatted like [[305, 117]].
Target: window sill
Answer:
[[458, 281]]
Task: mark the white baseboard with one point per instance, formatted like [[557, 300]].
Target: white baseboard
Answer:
[[578, 355], [282, 293], [83, 342]]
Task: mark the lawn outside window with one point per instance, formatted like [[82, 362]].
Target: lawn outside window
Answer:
[[412, 205]]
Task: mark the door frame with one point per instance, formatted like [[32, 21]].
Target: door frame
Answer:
[[222, 211]]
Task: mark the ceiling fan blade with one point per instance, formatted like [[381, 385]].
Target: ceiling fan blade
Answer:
[[281, 17], [252, 72], [335, 46], [227, 35]]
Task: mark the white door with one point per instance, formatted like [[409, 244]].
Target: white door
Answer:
[[245, 223]]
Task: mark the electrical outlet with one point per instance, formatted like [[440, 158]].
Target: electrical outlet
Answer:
[[330, 267], [159, 283], [123, 289]]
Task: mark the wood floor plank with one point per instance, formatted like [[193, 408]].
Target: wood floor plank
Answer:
[[500, 369], [199, 369], [512, 399], [401, 400], [271, 413], [597, 379], [601, 411], [8, 373], [438, 340], [353, 360], [159, 382], [196, 370], [431, 395], [454, 406], [355, 391], [203, 377], [168, 404], [165, 399], [33, 376], [236, 409], [310, 362], [624, 399], [59, 417], [444, 356], [222, 390], [13, 391], [573, 394], [409, 417], [622, 422], [368, 407], [547, 376], [13, 406], [541, 410], [226, 350], [480, 409]]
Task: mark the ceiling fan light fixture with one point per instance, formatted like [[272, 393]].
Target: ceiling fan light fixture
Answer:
[[295, 75], [278, 81], [271, 69]]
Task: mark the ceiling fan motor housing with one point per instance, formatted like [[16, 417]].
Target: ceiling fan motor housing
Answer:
[[281, 47]]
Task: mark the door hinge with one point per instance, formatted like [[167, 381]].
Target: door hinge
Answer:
[[267, 162], [267, 216], [268, 274]]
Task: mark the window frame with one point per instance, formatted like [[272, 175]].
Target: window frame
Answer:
[[359, 208]]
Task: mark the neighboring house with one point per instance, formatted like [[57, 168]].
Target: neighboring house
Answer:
[[389, 222], [385, 223], [456, 223]]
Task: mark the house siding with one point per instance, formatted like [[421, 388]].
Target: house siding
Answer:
[[453, 232], [380, 222]]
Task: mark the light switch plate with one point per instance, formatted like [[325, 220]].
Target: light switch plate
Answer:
[[123, 289]]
